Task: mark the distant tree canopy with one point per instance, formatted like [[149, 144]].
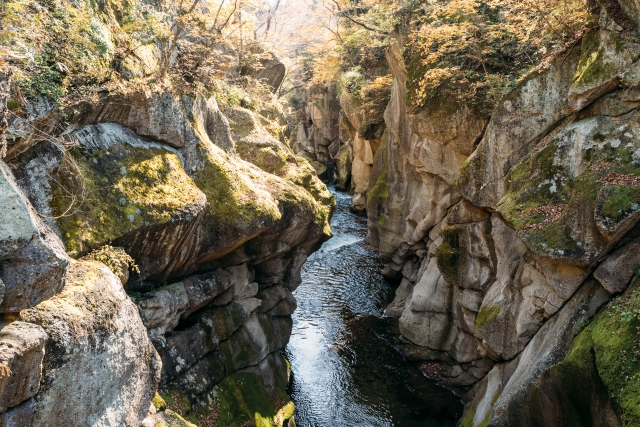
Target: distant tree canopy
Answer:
[[458, 51], [61, 46], [475, 51]]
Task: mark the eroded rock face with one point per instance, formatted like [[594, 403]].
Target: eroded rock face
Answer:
[[160, 116], [504, 385], [503, 250], [137, 203], [33, 264], [21, 352], [524, 117], [575, 174], [21, 415], [178, 211], [97, 347], [219, 229]]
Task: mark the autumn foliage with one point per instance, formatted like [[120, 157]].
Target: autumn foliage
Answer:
[[474, 51]]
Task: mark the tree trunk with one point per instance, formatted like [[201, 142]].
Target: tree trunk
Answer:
[[5, 84]]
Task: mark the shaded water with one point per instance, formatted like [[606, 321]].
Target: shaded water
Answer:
[[346, 370]]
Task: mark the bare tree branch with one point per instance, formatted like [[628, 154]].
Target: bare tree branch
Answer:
[[176, 30], [222, 27], [270, 16], [347, 15], [215, 21]]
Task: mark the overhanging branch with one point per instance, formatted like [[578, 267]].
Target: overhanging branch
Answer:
[[347, 15]]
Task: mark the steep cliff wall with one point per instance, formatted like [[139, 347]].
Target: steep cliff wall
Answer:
[[218, 241], [508, 233], [150, 242], [341, 125]]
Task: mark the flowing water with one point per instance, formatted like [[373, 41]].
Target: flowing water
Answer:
[[346, 369]]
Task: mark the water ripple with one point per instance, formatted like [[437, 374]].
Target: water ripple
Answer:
[[346, 370]]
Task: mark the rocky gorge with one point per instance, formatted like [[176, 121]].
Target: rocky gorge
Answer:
[[512, 237], [218, 244], [153, 231], [151, 240]]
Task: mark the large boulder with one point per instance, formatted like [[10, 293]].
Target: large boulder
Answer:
[[33, 263], [19, 416], [116, 185], [99, 366], [615, 273], [21, 352], [270, 70]]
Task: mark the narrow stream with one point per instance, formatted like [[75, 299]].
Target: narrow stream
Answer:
[[346, 369]]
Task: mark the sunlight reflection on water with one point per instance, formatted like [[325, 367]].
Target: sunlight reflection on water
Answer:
[[346, 371]]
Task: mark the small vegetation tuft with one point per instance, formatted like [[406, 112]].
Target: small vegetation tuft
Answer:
[[114, 258]]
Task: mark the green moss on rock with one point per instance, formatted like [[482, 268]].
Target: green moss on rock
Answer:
[[448, 255], [565, 203], [158, 402], [486, 315], [117, 191], [619, 200], [534, 182], [609, 351], [232, 198], [240, 399], [380, 190], [593, 66]]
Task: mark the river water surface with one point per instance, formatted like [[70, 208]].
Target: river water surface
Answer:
[[346, 369]]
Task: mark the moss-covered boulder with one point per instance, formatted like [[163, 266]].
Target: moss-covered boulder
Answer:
[[251, 396], [574, 198], [115, 187], [608, 353], [255, 144], [535, 106]]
